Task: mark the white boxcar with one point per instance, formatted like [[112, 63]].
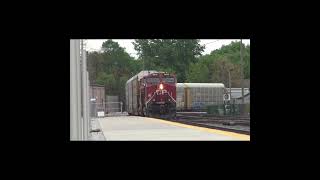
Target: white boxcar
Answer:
[[195, 96]]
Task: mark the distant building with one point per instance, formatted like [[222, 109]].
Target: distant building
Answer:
[[97, 99], [236, 94]]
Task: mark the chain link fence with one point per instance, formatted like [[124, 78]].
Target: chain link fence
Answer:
[[105, 108]]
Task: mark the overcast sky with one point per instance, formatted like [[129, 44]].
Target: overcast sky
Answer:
[[95, 44]]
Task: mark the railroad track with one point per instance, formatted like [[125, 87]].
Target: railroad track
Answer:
[[238, 124], [232, 120]]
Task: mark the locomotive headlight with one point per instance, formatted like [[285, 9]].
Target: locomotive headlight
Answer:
[[161, 86]]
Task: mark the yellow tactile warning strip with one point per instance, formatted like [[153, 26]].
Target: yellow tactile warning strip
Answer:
[[215, 131]]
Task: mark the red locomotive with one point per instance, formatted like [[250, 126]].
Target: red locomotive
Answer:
[[151, 93]]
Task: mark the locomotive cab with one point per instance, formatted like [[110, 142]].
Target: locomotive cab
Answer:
[[160, 91]]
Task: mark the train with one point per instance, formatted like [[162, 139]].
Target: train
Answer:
[[152, 94]]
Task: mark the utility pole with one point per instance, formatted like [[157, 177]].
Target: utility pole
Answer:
[[241, 59], [229, 84], [143, 59]]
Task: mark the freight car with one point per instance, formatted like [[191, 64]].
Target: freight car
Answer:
[[151, 93], [196, 96]]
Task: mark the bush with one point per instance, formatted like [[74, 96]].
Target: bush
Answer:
[[215, 109], [232, 109]]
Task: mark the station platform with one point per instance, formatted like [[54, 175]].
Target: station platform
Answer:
[[135, 128]]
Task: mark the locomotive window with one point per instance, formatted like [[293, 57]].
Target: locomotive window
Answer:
[[168, 80], [153, 80]]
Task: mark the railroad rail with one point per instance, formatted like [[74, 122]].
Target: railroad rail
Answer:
[[238, 124]]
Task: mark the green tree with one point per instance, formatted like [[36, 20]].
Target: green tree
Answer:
[[232, 53], [112, 68], [198, 73], [219, 62], [220, 71], [168, 54], [94, 64]]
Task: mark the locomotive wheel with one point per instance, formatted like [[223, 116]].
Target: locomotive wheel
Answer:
[[144, 111]]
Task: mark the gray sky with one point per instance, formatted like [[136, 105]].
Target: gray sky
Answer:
[[95, 44]]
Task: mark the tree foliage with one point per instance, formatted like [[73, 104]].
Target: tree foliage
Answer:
[[198, 73], [112, 68], [172, 55], [215, 67]]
